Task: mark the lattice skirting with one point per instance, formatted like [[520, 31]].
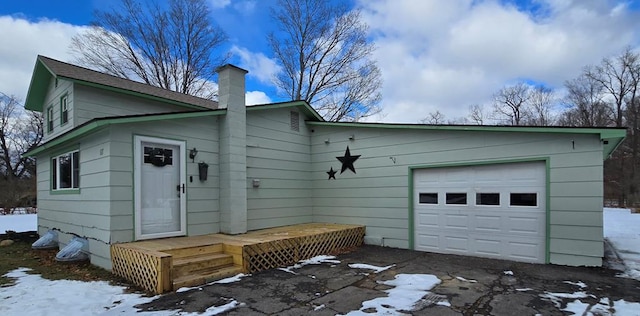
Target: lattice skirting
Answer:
[[278, 253], [150, 270]]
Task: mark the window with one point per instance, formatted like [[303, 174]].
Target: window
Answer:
[[524, 199], [456, 198], [428, 198], [64, 109], [50, 119], [487, 198], [65, 171]]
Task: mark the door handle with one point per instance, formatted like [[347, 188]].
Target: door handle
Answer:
[[179, 187]]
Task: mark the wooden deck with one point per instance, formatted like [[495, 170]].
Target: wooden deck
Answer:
[[163, 265]]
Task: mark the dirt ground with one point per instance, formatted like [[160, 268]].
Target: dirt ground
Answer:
[[19, 254], [472, 286]]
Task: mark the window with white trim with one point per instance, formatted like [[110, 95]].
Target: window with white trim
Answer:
[[65, 171], [64, 109], [50, 119]]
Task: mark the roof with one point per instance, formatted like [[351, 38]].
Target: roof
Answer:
[[46, 69], [99, 123], [612, 137], [302, 105]]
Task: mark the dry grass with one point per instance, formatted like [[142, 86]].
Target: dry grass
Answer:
[[20, 255]]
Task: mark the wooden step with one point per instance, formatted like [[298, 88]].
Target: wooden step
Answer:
[[188, 265], [194, 251], [205, 276]]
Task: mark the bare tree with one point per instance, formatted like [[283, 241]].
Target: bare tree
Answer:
[[585, 102], [434, 118], [20, 132], [477, 115], [541, 101], [170, 47], [615, 77], [326, 59], [510, 103]]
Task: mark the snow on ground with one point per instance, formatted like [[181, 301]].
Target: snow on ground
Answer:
[[407, 291], [375, 269], [18, 223], [621, 228], [314, 260], [232, 279], [33, 295], [604, 306]]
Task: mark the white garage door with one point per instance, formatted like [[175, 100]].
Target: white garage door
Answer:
[[495, 211]]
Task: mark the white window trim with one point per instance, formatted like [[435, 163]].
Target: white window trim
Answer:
[[50, 112], [64, 107], [57, 167]]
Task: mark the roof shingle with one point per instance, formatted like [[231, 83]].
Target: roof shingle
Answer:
[[70, 71]]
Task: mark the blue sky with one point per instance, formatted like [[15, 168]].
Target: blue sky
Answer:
[[435, 55]]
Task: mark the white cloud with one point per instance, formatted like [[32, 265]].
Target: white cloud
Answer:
[[220, 4], [245, 7], [22, 41], [446, 55], [257, 97], [259, 66]]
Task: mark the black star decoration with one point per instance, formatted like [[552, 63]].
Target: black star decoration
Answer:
[[332, 174], [347, 161]]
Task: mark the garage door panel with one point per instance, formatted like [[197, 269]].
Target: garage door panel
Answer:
[[486, 246], [524, 225], [524, 251], [456, 243], [456, 221], [488, 223], [428, 242], [513, 232], [428, 220]]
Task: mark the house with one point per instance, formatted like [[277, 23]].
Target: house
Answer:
[[123, 161]]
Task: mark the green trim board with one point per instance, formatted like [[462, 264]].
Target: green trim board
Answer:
[[411, 210], [38, 87], [306, 108], [97, 124], [611, 137]]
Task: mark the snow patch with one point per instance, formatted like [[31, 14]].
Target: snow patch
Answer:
[[33, 295], [375, 269], [407, 291], [604, 306], [508, 272], [315, 260], [232, 279], [621, 229], [466, 280], [18, 223], [579, 283]]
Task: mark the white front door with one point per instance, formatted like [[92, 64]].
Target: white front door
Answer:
[[160, 187]]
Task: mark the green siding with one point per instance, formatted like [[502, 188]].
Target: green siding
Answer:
[[89, 214], [202, 197], [281, 159], [378, 196], [103, 210], [94, 103], [53, 100]]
